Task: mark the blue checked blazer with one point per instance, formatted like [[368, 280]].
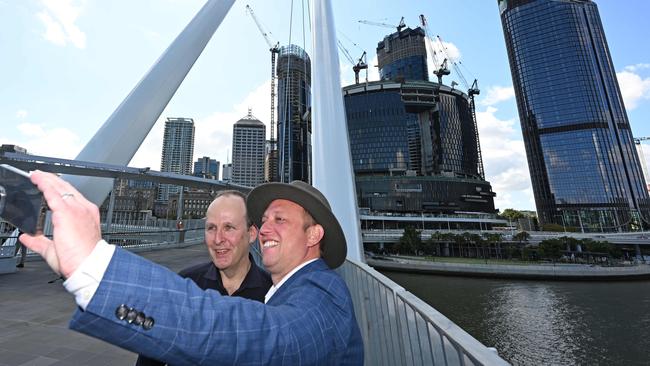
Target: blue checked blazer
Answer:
[[308, 321]]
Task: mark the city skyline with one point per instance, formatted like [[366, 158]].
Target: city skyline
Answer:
[[67, 82]]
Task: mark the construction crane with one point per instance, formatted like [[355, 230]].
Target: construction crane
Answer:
[[637, 140], [442, 68], [274, 49], [360, 65], [386, 25]]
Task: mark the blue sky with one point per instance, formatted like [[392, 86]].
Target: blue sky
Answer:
[[67, 64]]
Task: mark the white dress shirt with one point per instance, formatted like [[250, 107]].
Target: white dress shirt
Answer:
[[86, 278], [284, 279]]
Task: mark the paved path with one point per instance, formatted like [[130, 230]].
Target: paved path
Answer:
[[34, 316]]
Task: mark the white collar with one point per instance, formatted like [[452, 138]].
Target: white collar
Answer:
[[284, 279]]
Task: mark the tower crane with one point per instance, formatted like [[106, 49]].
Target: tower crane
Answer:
[[442, 69], [274, 49], [386, 25], [360, 65], [637, 140]]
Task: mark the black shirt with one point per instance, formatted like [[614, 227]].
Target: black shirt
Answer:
[[255, 285]]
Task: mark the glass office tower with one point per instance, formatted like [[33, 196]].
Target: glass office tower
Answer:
[[584, 168]]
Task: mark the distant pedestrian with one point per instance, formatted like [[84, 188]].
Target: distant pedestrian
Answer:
[[23, 251]]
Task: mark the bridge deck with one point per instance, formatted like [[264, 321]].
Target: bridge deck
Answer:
[[34, 316]]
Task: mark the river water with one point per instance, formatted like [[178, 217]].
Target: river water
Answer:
[[545, 322]]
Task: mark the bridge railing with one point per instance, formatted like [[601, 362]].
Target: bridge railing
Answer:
[[400, 329]]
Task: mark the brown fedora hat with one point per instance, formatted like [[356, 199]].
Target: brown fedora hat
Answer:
[[333, 246]]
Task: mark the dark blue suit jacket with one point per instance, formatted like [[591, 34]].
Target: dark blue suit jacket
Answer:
[[308, 321]]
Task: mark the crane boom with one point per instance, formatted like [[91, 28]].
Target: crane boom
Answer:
[[442, 69], [345, 52], [358, 66], [274, 49], [386, 25]]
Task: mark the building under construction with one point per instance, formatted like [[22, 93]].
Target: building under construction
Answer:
[[294, 119], [414, 142]]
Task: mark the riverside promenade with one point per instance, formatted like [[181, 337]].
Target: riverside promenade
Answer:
[[571, 272], [34, 316]]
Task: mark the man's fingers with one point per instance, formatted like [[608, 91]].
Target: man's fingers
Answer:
[[38, 244], [53, 188]]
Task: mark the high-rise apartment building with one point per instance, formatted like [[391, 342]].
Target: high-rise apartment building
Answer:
[[248, 150], [206, 168], [584, 168], [226, 174], [178, 148], [294, 117]]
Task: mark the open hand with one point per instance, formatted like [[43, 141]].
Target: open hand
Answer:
[[75, 221]]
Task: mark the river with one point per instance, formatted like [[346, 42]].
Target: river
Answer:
[[545, 322]]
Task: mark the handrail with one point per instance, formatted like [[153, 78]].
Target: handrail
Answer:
[[400, 329]]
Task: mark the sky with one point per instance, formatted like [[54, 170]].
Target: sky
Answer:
[[67, 64]]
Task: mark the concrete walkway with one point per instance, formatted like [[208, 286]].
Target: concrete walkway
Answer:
[[34, 316], [575, 272]]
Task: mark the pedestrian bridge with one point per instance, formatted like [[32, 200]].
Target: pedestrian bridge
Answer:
[[397, 327]]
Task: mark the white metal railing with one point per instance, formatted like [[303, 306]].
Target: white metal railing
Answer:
[[400, 329]]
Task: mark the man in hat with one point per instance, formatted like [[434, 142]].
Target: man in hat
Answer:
[[128, 301], [229, 232]]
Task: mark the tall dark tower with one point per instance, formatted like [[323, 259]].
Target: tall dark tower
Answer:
[[294, 117], [584, 168], [402, 56]]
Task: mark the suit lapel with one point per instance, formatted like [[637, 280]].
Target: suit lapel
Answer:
[[284, 291]]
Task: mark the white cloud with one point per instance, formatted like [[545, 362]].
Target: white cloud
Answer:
[[59, 17], [38, 138], [53, 30], [634, 88], [437, 52], [504, 159], [637, 67], [497, 94], [21, 114]]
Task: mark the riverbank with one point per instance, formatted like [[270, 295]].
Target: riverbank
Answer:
[[571, 272]]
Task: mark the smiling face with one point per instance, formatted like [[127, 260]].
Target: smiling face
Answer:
[[227, 234], [288, 237]]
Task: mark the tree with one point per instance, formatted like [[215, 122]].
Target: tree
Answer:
[[411, 241], [512, 214], [551, 248], [496, 239]]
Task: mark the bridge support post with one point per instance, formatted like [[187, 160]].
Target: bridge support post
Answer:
[[109, 216]]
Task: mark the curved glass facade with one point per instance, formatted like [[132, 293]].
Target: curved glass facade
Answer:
[[378, 128], [414, 148], [583, 165]]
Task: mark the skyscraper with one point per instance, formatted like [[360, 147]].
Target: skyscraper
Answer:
[[248, 150], [584, 168], [206, 168], [294, 118], [226, 174], [413, 142], [178, 148]]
